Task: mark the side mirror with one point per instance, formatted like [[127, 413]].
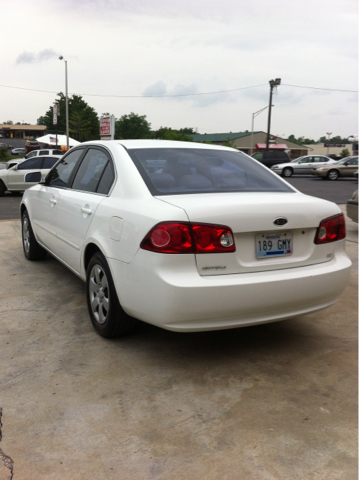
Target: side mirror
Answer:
[[33, 177]]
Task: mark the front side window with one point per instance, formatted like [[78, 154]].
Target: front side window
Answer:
[[31, 164], [193, 170], [59, 176], [49, 162], [90, 171]]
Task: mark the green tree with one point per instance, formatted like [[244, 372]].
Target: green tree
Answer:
[[230, 143], [132, 126], [187, 131], [345, 152], [166, 133], [8, 122], [40, 121], [3, 154], [84, 123]]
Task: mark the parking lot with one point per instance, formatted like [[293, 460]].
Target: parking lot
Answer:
[[272, 402]]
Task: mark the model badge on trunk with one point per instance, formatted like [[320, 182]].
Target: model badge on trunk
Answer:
[[280, 221]]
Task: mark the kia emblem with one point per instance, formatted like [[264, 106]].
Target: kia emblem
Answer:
[[280, 221]]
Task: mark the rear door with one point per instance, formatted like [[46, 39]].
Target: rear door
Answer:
[[305, 165], [77, 205]]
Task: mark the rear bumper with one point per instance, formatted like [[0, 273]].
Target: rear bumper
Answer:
[[166, 290]]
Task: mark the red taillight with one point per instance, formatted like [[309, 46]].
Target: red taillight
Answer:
[[185, 237], [330, 230], [213, 238]]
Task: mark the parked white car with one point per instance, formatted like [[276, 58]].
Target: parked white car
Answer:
[[302, 165], [14, 179], [188, 237], [35, 153]]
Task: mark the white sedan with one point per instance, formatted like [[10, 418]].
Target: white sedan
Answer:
[[185, 236], [302, 165], [14, 179]]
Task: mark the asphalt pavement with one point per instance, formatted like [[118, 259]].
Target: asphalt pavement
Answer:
[[269, 402], [338, 191]]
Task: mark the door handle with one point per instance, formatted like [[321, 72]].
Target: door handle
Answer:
[[86, 210], [53, 201]]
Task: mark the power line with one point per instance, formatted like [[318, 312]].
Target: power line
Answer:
[[139, 96], [180, 94], [320, 88]]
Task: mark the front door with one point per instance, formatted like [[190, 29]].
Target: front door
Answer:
[[16, 176]]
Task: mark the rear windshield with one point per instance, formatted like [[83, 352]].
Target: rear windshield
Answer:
[[190, 170]]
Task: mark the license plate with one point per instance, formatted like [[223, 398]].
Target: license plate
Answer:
[[274, 244]]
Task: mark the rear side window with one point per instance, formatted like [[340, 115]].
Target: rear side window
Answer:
[[44, 152], [90, 171], [31, 164], [107, 180], [190, 170], [59, 176]]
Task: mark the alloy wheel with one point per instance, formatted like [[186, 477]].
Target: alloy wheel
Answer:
[[99, 294], [26, 234], [333, 175]]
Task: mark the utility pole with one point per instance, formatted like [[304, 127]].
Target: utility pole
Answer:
[[67, 104], [272, 84], [253, 116], [328, 133]]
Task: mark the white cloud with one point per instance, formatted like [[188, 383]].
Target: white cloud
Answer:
[[30, 57], [157, 47]]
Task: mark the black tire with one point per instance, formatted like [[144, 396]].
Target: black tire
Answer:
[[2, 188], [333, 175], [32, 250], [107, 316], [287, 172]]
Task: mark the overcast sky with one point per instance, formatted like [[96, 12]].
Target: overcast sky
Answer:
[[123, 49]]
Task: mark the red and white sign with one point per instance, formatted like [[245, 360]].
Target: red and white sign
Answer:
[[272, 146], [107, 127]]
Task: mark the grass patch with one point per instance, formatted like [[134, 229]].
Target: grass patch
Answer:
[[10, 157]]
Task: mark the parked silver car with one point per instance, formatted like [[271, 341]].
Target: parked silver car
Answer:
[[302, 165]]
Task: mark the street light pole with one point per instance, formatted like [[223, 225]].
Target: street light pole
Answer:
[[67, 104], [255, 114], [328, 133], [272, 84]]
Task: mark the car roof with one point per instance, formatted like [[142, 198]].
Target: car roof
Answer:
[[156, 144]]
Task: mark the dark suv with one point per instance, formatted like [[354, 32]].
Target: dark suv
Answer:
[[270, 157]]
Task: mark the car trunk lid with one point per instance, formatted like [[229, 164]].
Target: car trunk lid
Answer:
[[251, 217]]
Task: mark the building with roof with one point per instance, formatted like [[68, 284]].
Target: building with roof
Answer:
[[243, 141], [22, 131]]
